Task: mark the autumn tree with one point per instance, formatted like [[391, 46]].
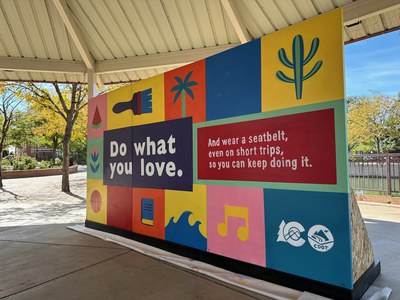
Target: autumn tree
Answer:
[[9, 105], [78, 139], [66, 101], [49, 131], [22, 131], [373, 120]]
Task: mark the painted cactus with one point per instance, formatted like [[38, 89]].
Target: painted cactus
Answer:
[[298, 63]]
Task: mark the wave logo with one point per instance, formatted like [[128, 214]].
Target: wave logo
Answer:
[[320, 238], [291, 233]]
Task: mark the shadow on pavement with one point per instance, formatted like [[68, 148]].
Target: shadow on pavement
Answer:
[[75, 196], [16, 196]]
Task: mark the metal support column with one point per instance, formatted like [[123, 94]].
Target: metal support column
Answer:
[[92, 90]]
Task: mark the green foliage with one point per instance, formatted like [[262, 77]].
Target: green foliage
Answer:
[[63, 102], [57, 162], [23, 162], [374, 123], [6, 165], [44, 164], [298, 63], [6, 162], [22, 131], [78, 151]]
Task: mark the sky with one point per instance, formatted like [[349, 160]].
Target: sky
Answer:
[[373, 65]]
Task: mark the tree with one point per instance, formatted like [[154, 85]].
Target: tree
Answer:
[[373, 121], [22, 131], [9, 104], [181, 89], [49, 129], [78, 139], [66, 101]]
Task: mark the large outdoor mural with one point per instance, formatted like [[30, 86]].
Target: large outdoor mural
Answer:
[[242, 154]]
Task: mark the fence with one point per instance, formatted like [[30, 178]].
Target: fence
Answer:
[[375, 172]]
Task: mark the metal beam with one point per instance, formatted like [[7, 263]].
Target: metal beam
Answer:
[[41, 65], [111, 66], [100, 82], [236, 20], [91, 80], [363, 9], [74, 32], [158, 60]]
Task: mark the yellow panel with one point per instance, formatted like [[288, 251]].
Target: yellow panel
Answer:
[[96, 207], [124, 94], [156, 83], [325, 85], [125, 118], [177, 202]]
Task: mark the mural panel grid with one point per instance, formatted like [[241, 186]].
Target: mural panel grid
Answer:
[[239, 154]]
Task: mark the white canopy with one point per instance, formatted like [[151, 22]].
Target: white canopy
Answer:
[[111, 41]]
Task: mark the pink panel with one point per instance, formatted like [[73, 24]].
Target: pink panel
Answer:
[[235, 223], [97, 116]]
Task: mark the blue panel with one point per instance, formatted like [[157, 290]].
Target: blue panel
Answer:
[[118, 151], [181, 232], [157, 155], [233, 82], [308, 234]]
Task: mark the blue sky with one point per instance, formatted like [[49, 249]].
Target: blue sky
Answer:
[[373, 65]]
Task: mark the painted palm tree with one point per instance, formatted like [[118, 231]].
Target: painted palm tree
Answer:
[[183, 88]]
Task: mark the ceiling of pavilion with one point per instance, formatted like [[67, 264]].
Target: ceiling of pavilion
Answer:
[[129, 40]]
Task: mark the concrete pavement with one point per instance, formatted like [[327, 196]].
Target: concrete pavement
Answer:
[[383, 226], [41, 259]]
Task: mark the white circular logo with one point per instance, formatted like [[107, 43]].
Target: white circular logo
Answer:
[[320, 238], [291, 233]]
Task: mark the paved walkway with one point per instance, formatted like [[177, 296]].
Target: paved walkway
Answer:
[[41, 259], [383, 225], [39, 200]]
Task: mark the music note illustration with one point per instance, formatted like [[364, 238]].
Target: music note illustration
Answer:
[[235, 212]]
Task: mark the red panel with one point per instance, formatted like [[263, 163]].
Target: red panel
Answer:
[[119, 207], [142, 224], [196, 107], [298, 148]]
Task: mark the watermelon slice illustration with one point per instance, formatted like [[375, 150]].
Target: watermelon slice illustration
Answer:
[[96, 122]]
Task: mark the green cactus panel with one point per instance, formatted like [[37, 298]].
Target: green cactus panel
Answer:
[[298, 62]]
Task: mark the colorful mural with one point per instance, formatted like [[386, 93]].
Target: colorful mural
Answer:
[[242, 155], [235, 223]]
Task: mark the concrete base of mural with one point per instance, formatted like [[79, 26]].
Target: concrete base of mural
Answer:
[[362, 252], [363, 259], [269, 277]]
